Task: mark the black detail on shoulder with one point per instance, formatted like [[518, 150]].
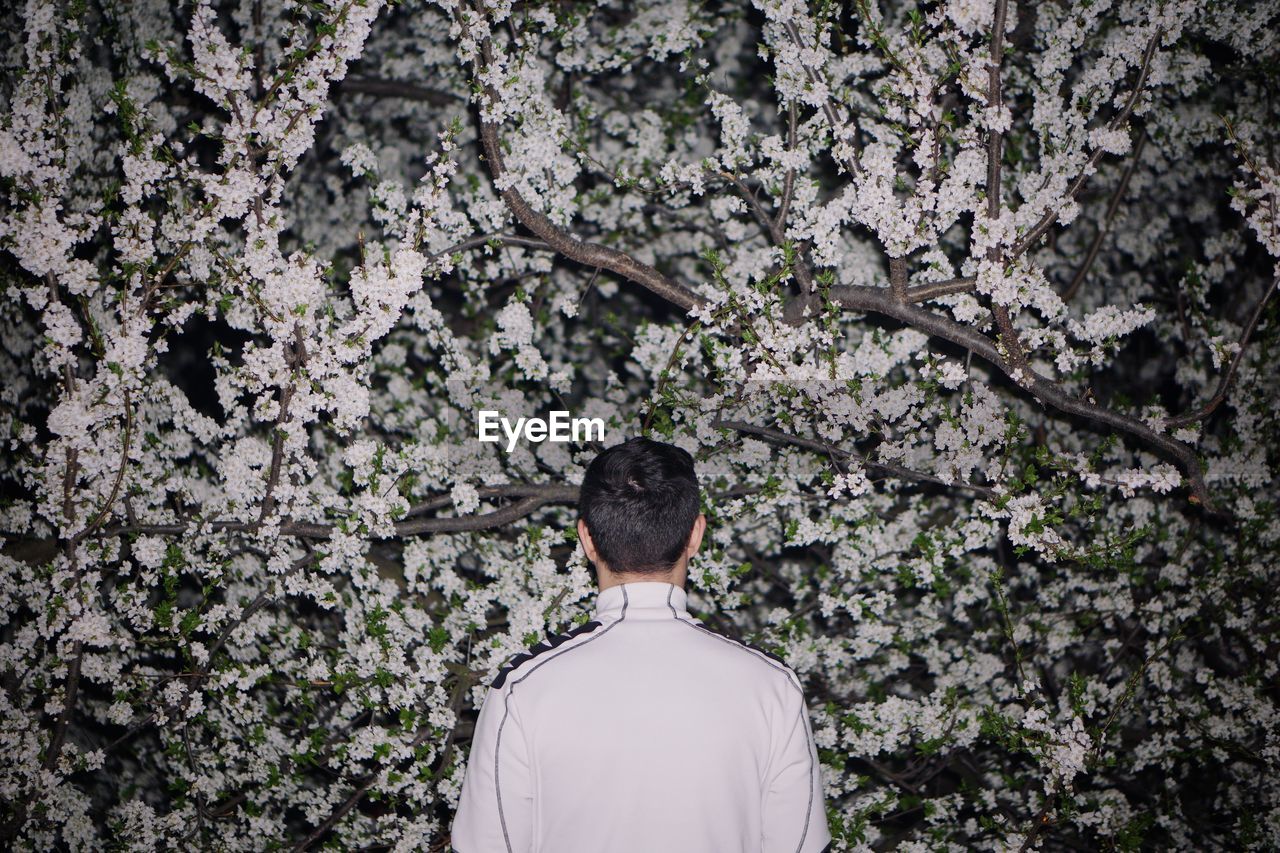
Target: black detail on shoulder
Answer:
[[767, 656], [766, 653], [545, 646], [749, 645]]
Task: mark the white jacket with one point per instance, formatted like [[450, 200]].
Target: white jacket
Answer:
[[643, 731]]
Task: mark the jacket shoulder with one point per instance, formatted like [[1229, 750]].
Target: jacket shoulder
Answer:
[[542, 647], [774, 660]]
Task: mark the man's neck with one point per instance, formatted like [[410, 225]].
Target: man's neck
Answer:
[[610, 578]]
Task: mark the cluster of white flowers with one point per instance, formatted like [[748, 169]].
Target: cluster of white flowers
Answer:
[[1110, 322], [1160, 478], [1064, 751], [1028, 526], [359, 159], [253, 303], [515, 332]]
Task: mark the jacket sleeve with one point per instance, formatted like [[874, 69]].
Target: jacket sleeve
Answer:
[[794, 815], [495, 807]]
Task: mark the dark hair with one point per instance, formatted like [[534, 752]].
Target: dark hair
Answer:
[[640, 500]]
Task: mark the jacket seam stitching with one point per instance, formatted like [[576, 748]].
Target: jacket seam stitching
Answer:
[[803, 708], [506, 708]]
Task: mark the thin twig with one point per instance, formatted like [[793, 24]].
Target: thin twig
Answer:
[[886, 468], [587, 253], [115, 486], [1050, 216], [1112, 207], [1224, 382]]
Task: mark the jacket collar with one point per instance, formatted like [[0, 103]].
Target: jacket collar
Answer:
[[641, 600]]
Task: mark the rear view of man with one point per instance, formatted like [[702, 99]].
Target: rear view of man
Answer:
[[642, 731]]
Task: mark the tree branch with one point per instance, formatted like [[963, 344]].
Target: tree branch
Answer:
[[398, 89], [1224, 382], [115, 485], [497, 518], [295, 360], [995, 142], [925, 292], [878, 300], [788, 182], [898, 278], [587, 253], [828, 106], [486, 239], [1105, 225], [532, 496], [549, 493], [775, 227], [1050, 216], [886, 468], [995, 139]]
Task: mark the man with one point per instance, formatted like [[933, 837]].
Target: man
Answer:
[[642, 731]]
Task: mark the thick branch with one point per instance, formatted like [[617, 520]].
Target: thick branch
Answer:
[[398, 89], [898, 278], [995, 139], [932, 290], [549, 494], [878, 300], [531, 497], [995, 142], [497, 518]]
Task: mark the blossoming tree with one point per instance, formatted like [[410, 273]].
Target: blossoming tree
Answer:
[[965, 309]]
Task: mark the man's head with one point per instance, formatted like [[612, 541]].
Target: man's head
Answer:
[[639, 511]]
